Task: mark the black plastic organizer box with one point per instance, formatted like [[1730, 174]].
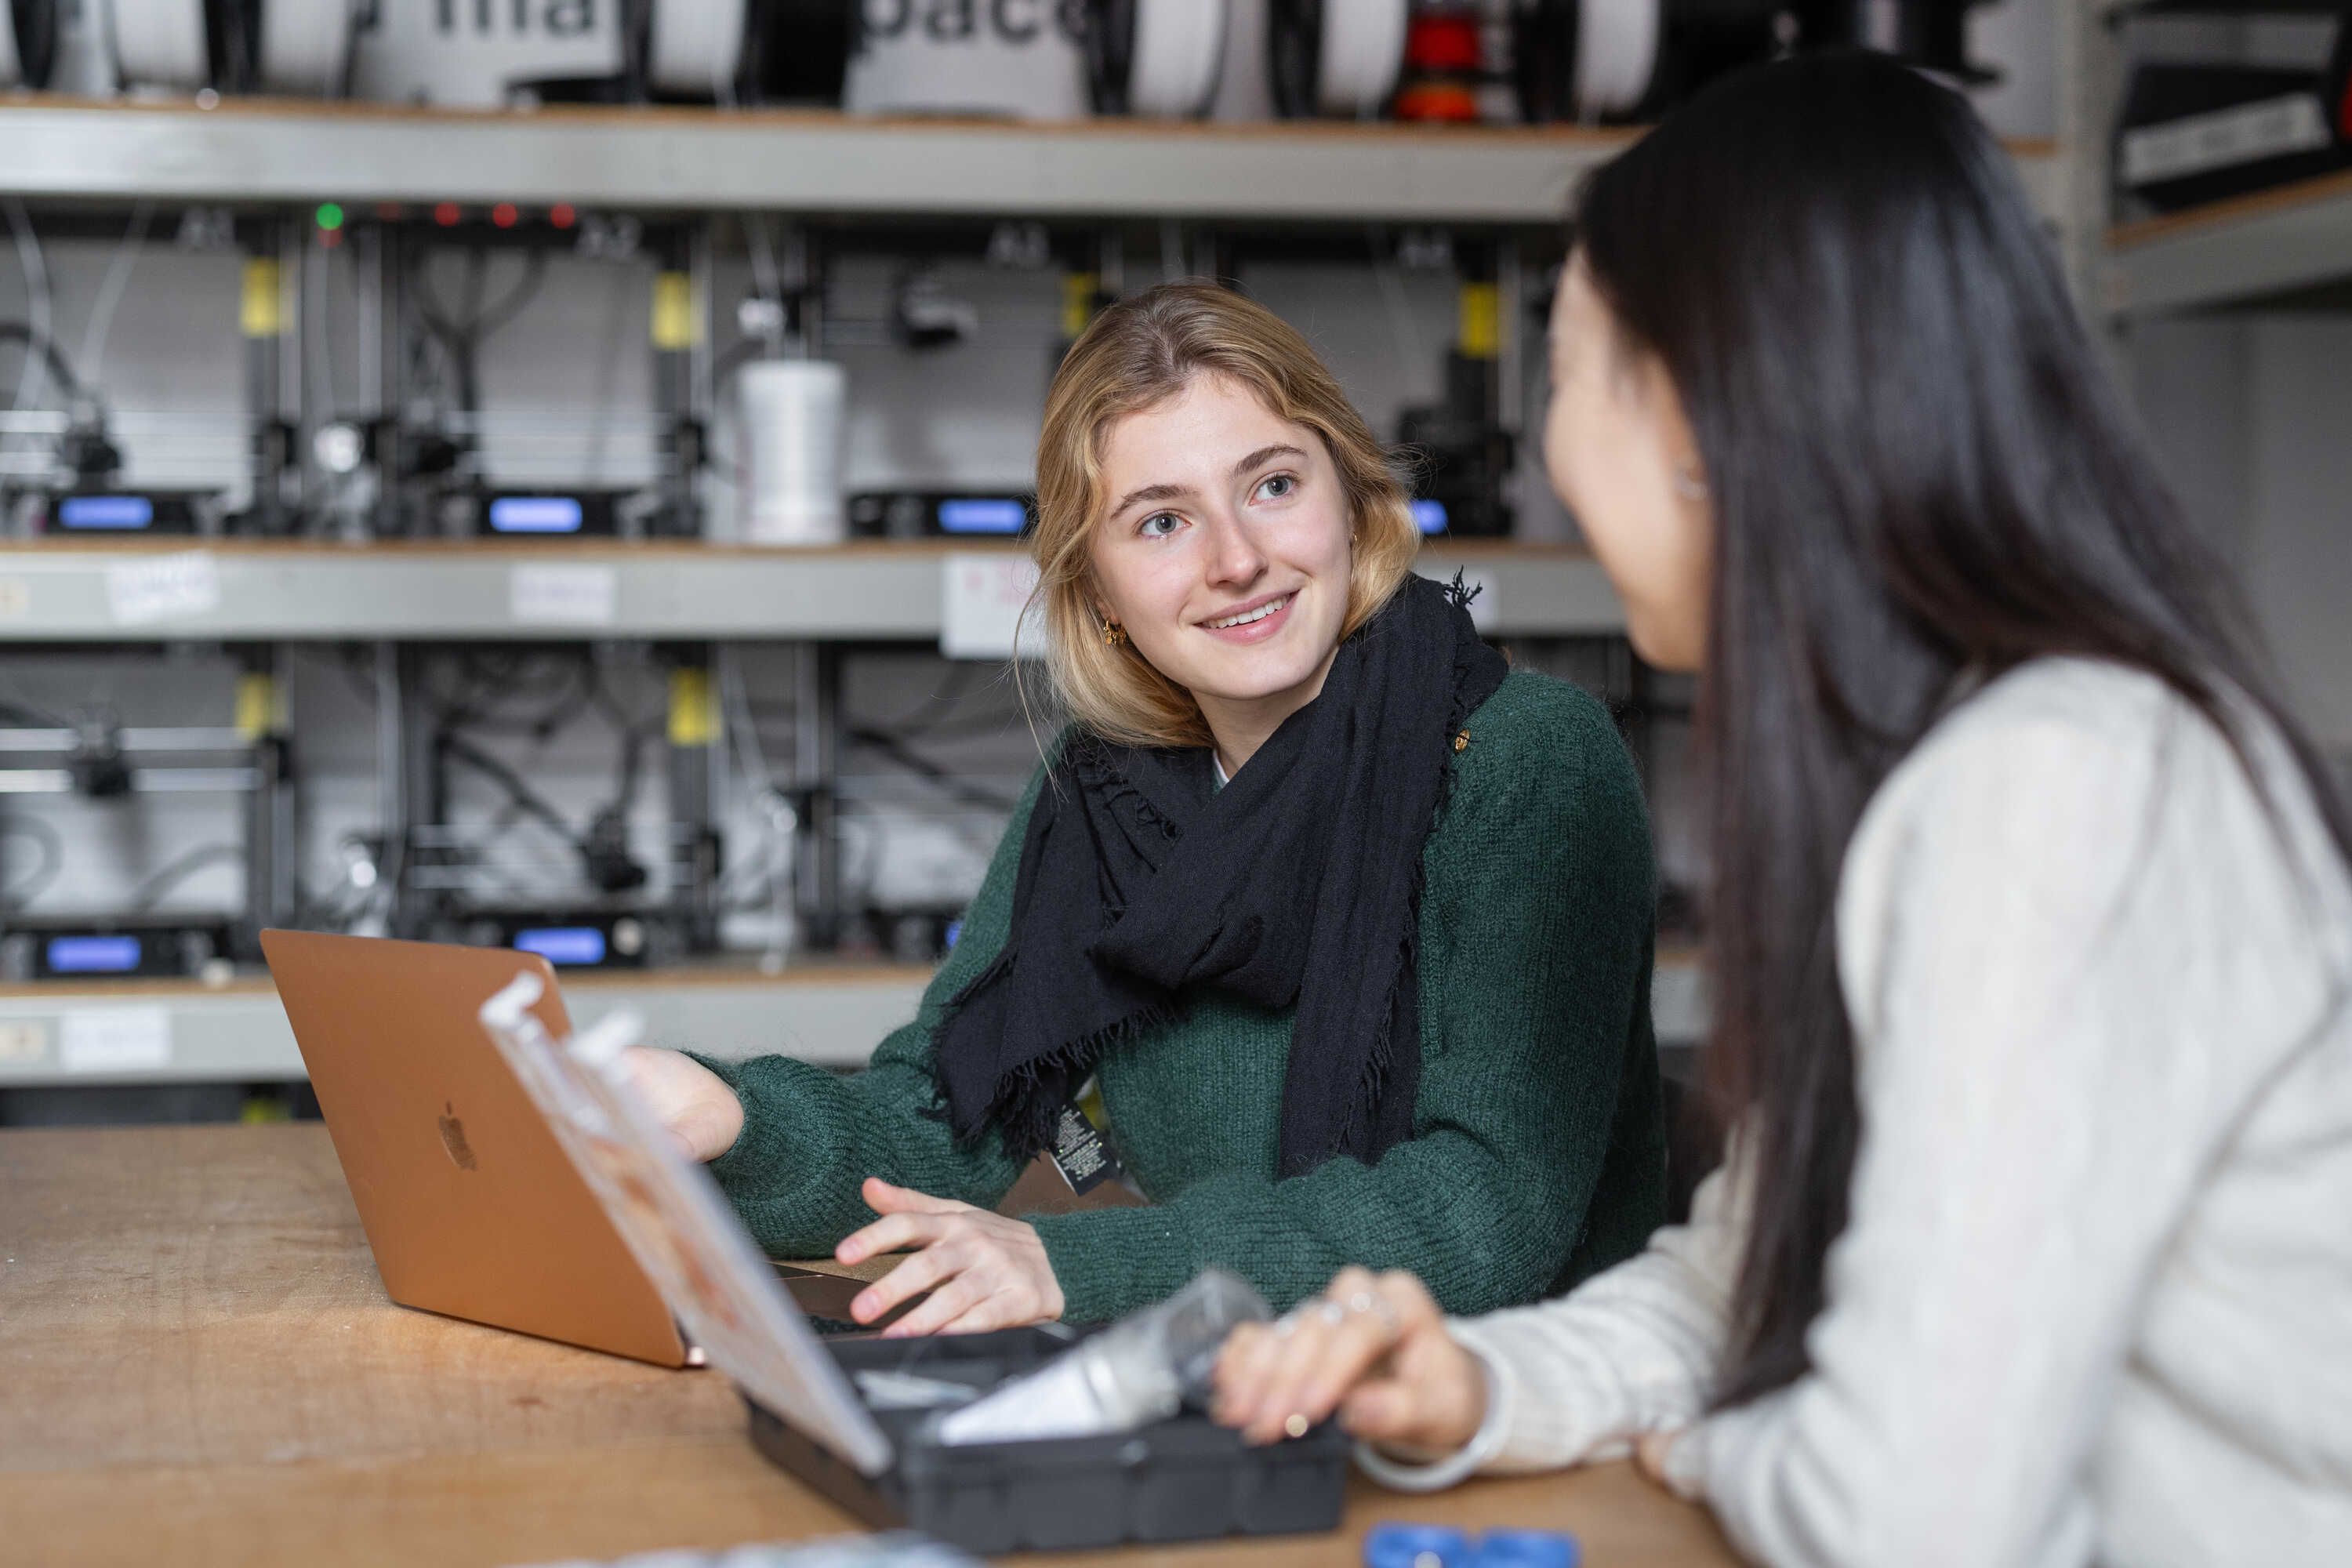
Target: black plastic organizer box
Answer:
[[1185, 1478]]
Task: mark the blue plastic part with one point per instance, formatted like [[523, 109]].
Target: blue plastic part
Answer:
[[563, 945], [79, 513], [1527, 1549], [977, 514], [1416, 1546], [536, 514], [93, 954]]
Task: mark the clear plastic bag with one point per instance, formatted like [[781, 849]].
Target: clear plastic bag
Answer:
[[1141, 1368]]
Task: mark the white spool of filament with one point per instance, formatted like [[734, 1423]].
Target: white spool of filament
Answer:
[[793, 413], [1616, 55], [161, 43], [305, 45], [695, 46], [1363, 49], [1179, 47]]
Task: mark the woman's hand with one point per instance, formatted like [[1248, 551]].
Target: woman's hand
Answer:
[[1654, 1457], [694, 1103], [1375, 1350], [983, 1271]]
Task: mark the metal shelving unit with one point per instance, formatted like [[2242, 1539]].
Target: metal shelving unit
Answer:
[[668, 160], [2292, 242], [167, 591], [183, 1032]]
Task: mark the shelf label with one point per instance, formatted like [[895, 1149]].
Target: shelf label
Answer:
[[16, 598], [162, 587], [982, 607], [115, 1039], [564, 594], [23, 1040]]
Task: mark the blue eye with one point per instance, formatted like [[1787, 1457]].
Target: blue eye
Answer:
[[1274, 487], [1150, 526]]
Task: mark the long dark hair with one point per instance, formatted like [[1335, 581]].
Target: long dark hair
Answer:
[[1920, 474]]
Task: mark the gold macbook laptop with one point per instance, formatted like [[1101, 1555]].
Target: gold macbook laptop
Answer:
[[470, 1205]]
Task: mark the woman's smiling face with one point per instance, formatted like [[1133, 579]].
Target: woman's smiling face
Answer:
[[1225, 549]]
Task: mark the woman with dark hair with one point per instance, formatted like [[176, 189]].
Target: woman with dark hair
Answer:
[[2029, 926]]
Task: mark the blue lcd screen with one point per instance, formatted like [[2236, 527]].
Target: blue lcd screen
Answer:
[[975, 515], [1428, 516], [93, 954], [535, 514], [563, 945], [105, 511]]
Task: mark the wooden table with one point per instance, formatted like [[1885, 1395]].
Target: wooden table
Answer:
[[198, 1365]]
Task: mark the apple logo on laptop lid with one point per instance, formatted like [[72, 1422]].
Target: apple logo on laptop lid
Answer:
[[453, 1137]]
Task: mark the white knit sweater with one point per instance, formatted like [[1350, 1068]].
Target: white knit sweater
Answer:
[[2095, 1303]]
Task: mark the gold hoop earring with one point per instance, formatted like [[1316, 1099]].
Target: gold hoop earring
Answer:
[[1114, 634]]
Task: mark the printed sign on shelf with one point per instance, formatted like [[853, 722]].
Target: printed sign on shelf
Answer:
[[984, 600], [179, 586], [564, 594], [23, 1040], [115, 1039], [477, 52]]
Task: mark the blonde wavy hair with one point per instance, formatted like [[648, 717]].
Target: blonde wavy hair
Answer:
[[1135, 356]]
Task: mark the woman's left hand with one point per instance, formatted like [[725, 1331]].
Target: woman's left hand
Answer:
[[983, 1271], [1650, 1458]]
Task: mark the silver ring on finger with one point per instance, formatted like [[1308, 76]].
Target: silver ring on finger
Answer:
[[1372, 1303], [1331, 1312]]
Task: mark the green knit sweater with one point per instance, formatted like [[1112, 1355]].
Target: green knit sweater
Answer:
[[1538, 1154]]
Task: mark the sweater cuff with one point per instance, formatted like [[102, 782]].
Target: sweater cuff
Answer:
[[1416, 1474], [1110, 1261], [771, 1128]]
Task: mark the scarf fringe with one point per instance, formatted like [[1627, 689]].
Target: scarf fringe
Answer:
[[1030, 1123]]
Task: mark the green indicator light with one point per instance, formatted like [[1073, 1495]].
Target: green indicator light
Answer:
[[331, 217]]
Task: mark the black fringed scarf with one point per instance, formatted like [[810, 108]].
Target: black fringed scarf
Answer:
[[1297, 884]]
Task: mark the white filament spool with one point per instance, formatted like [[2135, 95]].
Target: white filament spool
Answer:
[[1364, 50], [792, 415], [304, 44], [1179, 47], [696, 45], [1616, 55], [161, 43]]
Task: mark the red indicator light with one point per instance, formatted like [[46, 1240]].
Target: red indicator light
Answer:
[[447, 214], [562, 216], [389, 212], [504, 215]]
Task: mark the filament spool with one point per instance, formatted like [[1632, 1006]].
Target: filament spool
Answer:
[[793, 413]]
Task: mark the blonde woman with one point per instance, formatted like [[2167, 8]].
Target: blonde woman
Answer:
[[1335, 932]]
